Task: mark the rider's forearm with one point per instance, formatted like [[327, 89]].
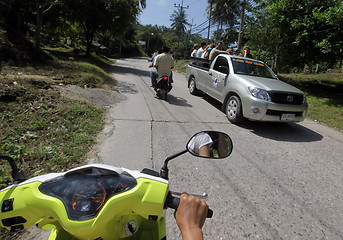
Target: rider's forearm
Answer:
[[192, 234]]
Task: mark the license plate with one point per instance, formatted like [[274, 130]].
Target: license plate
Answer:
[[287, 117]]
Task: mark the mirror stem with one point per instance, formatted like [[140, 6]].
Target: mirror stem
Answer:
[[164, 170], [17, 174]]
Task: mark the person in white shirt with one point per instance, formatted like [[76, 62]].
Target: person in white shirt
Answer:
[[201, 49], [199, 144], [195, 50]]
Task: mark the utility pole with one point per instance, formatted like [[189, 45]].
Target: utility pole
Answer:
[[189, 37], [241, 26], [180, 6], [190, 31]]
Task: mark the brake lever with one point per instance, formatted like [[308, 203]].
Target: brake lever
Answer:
[[202, 196]]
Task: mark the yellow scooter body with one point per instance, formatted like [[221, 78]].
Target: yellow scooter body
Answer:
[[136, 212]]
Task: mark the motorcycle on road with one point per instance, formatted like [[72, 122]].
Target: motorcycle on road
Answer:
[[99, 201], [163, 87]]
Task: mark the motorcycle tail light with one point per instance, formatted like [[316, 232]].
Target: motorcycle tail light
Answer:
[[165, 78]]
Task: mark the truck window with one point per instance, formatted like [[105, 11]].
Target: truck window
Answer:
[[221, 61], [253, 68]]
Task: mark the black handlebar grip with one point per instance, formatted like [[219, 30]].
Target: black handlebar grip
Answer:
[[174, 202]]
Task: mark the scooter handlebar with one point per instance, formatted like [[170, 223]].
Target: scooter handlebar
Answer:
[[174, 202]]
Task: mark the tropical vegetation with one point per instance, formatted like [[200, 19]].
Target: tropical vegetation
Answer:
[[301, 39], [288, 34]]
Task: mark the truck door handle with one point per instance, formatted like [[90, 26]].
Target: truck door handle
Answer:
[[210, 74]]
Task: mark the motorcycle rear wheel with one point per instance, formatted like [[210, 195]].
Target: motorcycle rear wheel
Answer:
[[161, 94]]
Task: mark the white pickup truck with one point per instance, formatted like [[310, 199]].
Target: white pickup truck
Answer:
[[247, 88]]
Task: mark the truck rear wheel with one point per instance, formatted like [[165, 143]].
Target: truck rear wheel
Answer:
[[192, 87], [233, 109]]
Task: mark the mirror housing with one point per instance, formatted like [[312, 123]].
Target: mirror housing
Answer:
[[219, 145], [210, 144]]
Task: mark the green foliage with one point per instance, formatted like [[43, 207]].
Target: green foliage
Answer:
[[302, 32], [180, 65], [225, 12], [326, 110], [179, 21], [58, 132], [95, 17], [153, 36], [180, 46], [286, 33], [75, 22], [90, 75], [324, 96]]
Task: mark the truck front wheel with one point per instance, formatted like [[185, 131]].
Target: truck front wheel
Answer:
[[233, 109]]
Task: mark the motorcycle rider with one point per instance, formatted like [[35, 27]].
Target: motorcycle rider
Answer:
[[200, 144], [164, 63], [190, 217], [153, 71]]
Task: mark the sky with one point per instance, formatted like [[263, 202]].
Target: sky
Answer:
[[158, 12]]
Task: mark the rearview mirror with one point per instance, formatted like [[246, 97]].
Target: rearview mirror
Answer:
[[210, 144]]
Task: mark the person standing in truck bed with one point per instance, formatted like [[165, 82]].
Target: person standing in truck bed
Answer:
[[216, 51], [246, 52], [201, 49]]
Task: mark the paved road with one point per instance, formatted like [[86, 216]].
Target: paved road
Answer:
[[283, 181]]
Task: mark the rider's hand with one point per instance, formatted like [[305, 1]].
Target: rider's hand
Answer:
[[190, 216]]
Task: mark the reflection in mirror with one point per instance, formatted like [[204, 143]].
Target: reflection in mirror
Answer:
[[210, 144]]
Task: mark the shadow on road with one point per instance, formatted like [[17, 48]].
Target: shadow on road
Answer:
[[177, 101], [279, 131], [128, 70]]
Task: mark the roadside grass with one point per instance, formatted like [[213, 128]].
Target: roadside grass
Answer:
[[180, 65], [324, 95], [43, 131]]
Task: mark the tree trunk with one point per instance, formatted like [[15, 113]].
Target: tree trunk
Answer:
[[89, 33], [39, 21], [276, 59], [241, 27], [89, 40], [88, 46]]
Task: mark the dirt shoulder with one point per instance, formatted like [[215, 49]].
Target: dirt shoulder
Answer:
[[99, 97]]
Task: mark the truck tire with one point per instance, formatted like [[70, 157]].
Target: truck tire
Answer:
[[192, 87], [233, 109]]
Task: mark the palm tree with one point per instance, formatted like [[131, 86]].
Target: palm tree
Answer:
[[142, 3], [179, 21], [224, 12]]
